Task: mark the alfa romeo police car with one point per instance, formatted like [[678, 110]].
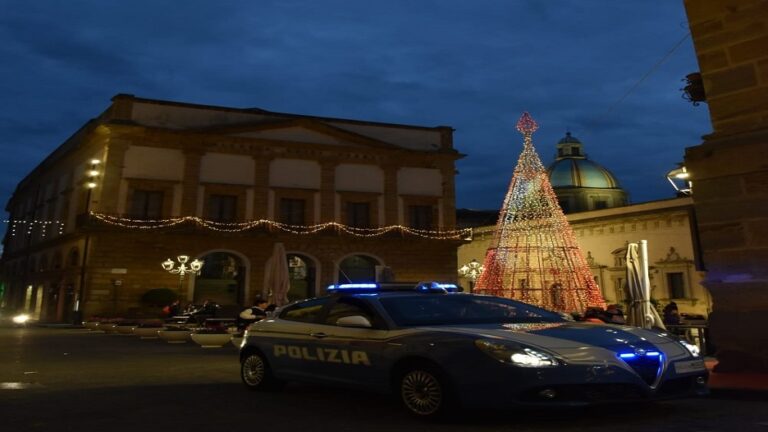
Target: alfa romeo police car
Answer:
[[438, 349]]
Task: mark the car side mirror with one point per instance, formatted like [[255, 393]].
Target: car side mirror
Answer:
[[354, 321]]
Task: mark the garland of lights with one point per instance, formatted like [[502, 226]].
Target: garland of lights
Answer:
[[43, 224], [231, 227], [534, 256]]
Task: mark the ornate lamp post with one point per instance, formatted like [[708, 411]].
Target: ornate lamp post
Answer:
[[182, 269], [471, 271]]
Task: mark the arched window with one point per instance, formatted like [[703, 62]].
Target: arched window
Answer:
[[56, 263], [357, 268], [301, 272]]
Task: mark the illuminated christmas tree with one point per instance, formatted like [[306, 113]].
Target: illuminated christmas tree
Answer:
[[534, 256]]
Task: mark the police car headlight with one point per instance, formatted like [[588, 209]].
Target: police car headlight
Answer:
[[516, 354], [693, 349]]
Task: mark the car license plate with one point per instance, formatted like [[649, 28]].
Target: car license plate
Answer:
[[689, 366]]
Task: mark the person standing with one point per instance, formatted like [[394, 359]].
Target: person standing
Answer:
[[252, 314], [671, 314]]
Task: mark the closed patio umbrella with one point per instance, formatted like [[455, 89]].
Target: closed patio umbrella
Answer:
[[277, 281], [641, 313]]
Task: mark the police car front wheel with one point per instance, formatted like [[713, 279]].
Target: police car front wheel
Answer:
[[256, 373]]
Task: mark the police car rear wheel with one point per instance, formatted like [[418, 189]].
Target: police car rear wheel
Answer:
[[422, 392], [256, 374]]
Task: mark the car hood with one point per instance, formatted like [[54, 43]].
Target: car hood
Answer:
[[564, 335]]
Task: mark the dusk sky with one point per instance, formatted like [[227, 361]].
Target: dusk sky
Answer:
[[472, 65]]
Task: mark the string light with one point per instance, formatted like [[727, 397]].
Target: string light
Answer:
[[534, 256], [30, 225], [231, 227]]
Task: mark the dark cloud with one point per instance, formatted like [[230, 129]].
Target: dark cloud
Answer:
[[471, 65]]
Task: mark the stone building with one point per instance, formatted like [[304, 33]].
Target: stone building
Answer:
[[580, 183], [91, 225], [603, 236], [729, 170]]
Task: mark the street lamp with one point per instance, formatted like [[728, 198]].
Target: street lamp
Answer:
[[182, 269], [680, 179], [471, 271]]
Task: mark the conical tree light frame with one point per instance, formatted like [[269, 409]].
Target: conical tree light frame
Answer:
[[534, 256]]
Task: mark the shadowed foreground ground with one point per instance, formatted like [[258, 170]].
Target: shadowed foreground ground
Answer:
[[75, 380]]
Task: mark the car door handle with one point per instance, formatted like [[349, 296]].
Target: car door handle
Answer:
[[318, 335]]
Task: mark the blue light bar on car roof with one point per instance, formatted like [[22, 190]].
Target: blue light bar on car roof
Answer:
[[437, 286], [353, 286], [405, 286]]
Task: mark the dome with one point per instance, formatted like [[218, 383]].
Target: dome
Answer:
[[572, 172], [568, 139]]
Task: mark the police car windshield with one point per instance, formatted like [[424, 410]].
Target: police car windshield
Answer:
[[452, 309]]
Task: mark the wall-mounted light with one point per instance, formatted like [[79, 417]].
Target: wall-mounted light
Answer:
[[680, 179], [92, 173]]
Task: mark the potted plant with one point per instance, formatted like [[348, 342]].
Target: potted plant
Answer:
[[92, 323], [109, 326], [148, 329], [125, 327], [173, 334], [208, 337]]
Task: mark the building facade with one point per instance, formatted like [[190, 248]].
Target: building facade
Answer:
[[149, 180], [729, 170], [603, 236]]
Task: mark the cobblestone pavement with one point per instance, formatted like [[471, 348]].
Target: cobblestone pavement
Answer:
[[76, 380]]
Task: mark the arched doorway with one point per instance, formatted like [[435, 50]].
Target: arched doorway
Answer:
[[357, 268], [302, 274], [222, 279]]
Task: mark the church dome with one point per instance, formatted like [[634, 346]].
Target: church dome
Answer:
[[581, 184], [572, 168], [573, 172], [568, 138]]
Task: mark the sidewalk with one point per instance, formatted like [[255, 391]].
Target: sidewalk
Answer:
[[751, 382]]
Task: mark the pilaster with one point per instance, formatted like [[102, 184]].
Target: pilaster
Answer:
[[261, 187], [390, 195], [327, 190], [189, 194]]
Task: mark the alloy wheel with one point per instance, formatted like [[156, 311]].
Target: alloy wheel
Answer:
[[422, 392]]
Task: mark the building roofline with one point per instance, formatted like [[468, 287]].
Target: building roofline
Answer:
[[274, 113], [627, 210]]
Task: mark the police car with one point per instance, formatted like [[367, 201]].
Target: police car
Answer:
[[438, 349]]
